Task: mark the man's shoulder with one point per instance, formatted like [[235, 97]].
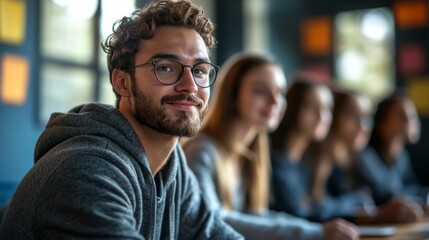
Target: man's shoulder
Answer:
[[88, 157]]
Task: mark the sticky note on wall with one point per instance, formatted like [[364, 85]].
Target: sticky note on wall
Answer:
[[12, 21], [418, 88], [14, 79], [411, 59], [316, 35], [411, 13]]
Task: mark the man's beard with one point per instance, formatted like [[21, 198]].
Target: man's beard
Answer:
[[184, 124]]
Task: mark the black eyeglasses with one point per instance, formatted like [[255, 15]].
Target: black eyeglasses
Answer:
[[168, 71]]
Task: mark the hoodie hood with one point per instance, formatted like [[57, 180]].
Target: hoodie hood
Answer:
[[92, 119]]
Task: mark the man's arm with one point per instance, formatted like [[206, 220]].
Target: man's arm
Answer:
[[86, 197]]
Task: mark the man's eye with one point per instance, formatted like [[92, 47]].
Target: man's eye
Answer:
[[200, 71], [165, 68]]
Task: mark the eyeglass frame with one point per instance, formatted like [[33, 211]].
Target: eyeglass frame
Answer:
[[192, 67]]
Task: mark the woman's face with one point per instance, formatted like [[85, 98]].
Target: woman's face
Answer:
[[402, 122], [261, 99], [413, 125], [354, 124], [315, 116]]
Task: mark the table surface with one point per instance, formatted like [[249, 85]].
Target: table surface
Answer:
[[406, 231]]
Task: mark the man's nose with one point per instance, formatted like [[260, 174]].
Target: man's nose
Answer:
[[186, 82]]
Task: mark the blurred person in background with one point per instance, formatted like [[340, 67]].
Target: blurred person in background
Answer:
[[385, 165], [307, 120], [230, 156], [335, 185]]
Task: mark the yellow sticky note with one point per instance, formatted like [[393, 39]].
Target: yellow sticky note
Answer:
[[14, 79], [12, 21], [418, 88]]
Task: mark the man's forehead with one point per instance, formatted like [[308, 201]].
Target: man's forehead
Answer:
[[186, 44]]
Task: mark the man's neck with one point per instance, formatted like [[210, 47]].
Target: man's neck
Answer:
[[158, 146]]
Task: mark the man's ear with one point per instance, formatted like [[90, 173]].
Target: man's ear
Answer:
[[121, 82]]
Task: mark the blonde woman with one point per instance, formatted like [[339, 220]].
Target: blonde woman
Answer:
[[230, 156]]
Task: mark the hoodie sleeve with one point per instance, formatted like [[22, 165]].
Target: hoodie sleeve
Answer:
[[201, 157], [86, 198]]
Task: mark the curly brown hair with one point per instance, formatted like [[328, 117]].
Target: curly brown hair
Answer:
[[122, 45]]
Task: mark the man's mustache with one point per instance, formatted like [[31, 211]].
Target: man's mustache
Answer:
[[182, 97]]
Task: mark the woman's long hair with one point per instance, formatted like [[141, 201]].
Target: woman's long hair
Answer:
[[295, 98], [380, 116], [323, 161], [219, 124]]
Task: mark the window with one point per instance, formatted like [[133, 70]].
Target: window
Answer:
[[364, 51], [73, 67]]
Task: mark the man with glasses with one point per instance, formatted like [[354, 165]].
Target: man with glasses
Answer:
[[118, 173]]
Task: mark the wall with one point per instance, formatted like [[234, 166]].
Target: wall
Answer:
[[229, 29], [18, 125]]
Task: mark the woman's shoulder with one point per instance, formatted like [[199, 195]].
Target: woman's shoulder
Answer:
[[281, 163], [201, 148], [201, 142]]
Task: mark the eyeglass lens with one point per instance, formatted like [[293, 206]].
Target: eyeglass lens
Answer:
[[169, 71]]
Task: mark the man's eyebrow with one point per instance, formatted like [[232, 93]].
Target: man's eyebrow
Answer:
[[202, 60], [167, 55]]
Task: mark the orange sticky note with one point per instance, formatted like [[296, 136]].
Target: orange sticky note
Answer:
[[411, 13], [12, 21], [14, 79], [316, 35]]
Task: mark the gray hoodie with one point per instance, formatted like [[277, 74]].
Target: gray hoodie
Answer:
[[91, 180]]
